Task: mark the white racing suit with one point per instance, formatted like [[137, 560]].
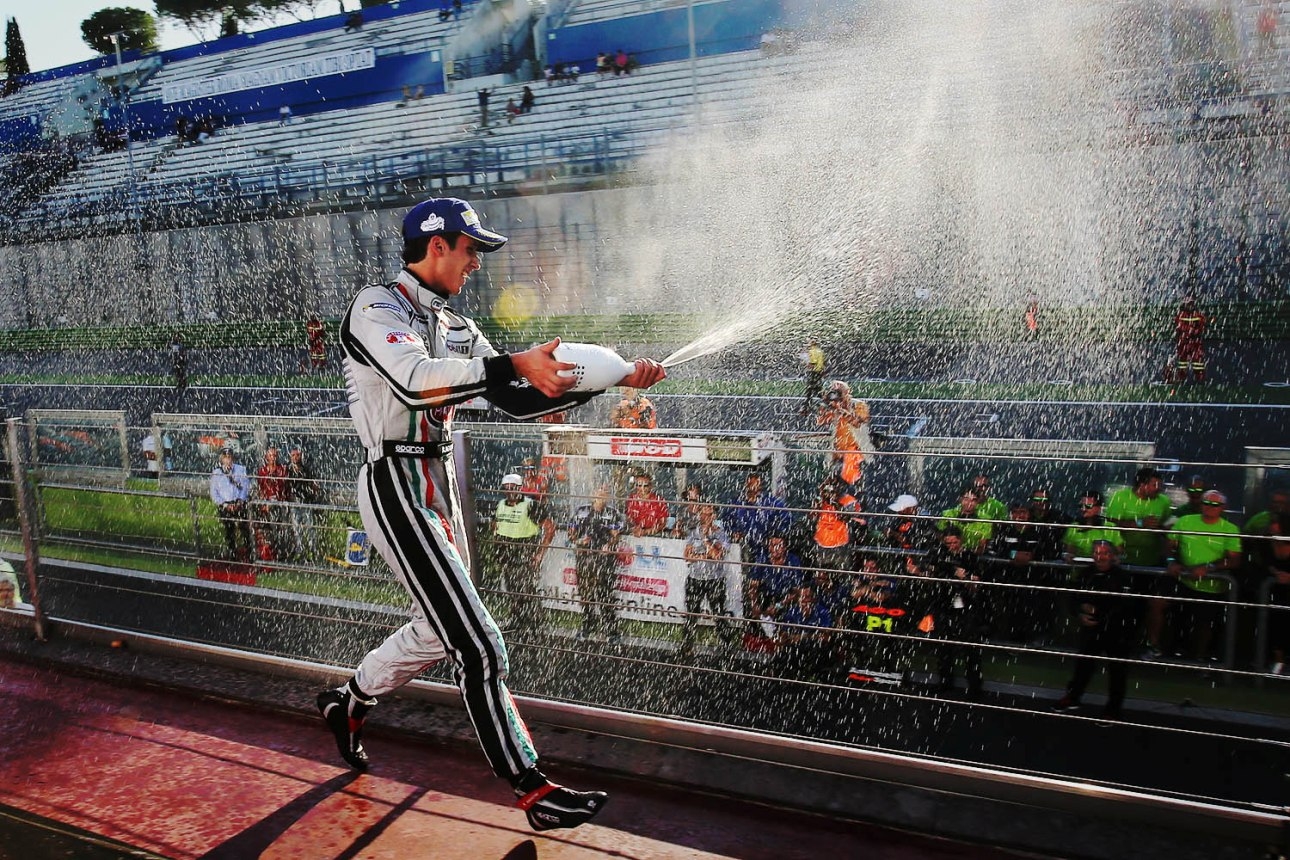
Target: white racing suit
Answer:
[[405, 367]]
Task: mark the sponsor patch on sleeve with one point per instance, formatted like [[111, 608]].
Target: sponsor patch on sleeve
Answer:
[[401, 337], [383, 306]]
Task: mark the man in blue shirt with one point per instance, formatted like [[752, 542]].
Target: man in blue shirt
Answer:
[[230, 489], [754, 517]]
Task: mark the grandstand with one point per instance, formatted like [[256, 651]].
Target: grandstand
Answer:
[[356, 143]]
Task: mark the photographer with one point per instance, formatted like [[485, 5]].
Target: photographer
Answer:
[[230, 489]]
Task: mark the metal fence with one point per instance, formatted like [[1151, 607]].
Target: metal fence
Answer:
[[120, 530]]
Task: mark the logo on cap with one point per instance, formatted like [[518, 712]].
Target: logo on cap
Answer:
[[432, 223]]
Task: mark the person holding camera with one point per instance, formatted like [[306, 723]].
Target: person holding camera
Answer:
[[230, 490]]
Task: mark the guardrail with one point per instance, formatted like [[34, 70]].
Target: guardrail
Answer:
[[301, 608]]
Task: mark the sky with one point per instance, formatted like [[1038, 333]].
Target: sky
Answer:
[[51, 29]]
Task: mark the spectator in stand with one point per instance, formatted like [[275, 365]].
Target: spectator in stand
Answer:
[[1022, 610], [603, 66], [1050, 522], [754, 517], [512, 110], [1201, 545], [1109, 616], [776, 574], [537, 481], [527, 100], [305, 492], [804, 637], [646, 510], [620, 62], [1141, 511], [1089, 528], [831, 519], [10, 592], [179, 363], [152, 462], [879, 616], [851, 441], [1258, 550], [483, 95], [1196, 488], [445, 11], [966, 516], [456, 8], [548, 74], [687, 512], [284, 115], [354, 22], [230, 490], [316, 341], [272, 493], [959, 613], [594, 535], [524, 532], [988, 508], [633, 412], [1189, 351], [1277, 567], [705, 581], [181, 130], [813, 363], [905, 530]]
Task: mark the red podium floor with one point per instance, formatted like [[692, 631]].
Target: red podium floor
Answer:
[[89, 763]]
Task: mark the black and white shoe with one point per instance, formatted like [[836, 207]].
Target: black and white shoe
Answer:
[[553, 806], [348, 731]]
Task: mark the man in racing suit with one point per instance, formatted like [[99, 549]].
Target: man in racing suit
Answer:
[[408, 359]]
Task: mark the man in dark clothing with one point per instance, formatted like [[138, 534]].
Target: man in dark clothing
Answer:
[[1020, 611], [957, 610], [1110, 616], [594, 535]]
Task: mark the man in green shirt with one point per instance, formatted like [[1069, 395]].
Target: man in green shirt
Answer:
[[966, 516], [1201, 545], [1141, 511], [989, 508], [1091, 528]]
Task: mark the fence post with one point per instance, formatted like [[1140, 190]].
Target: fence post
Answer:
[[197, 526], [27, 522]]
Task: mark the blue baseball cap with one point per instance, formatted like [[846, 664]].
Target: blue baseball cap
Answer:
[[440, 215]]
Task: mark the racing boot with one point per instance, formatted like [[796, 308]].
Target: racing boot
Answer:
[[550, 806], [344, 712]]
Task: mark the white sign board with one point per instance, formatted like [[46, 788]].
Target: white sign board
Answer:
[[663, 449], [651, 587]]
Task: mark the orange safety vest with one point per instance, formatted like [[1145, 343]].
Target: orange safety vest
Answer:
[[831, 530]]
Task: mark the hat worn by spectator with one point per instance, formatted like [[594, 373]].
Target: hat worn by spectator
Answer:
[[512, 480], [1214, 497], [903, 502], [440, 215], [1196, 484]]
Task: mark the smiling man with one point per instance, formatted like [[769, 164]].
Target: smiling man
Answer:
[[409, 358]]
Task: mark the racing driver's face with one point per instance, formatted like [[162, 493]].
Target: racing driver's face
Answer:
[[455, 265]]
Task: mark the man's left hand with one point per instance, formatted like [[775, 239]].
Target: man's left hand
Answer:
[[647, 373]]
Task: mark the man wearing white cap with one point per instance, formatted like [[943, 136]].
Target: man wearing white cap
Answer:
[[410, 358], [905, 530], [523, 531]]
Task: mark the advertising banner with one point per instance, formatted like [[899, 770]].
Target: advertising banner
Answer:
[[651, 584]]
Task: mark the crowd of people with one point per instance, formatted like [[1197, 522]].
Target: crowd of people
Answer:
[[271, 514], [847, 589]]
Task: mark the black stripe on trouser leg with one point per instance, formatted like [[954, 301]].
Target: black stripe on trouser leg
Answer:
[[453, 609]]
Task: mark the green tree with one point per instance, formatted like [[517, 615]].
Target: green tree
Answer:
[[15, 51], [138, 29], [207, 18]]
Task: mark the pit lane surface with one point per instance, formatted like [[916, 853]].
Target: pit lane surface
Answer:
[[99, 768]]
